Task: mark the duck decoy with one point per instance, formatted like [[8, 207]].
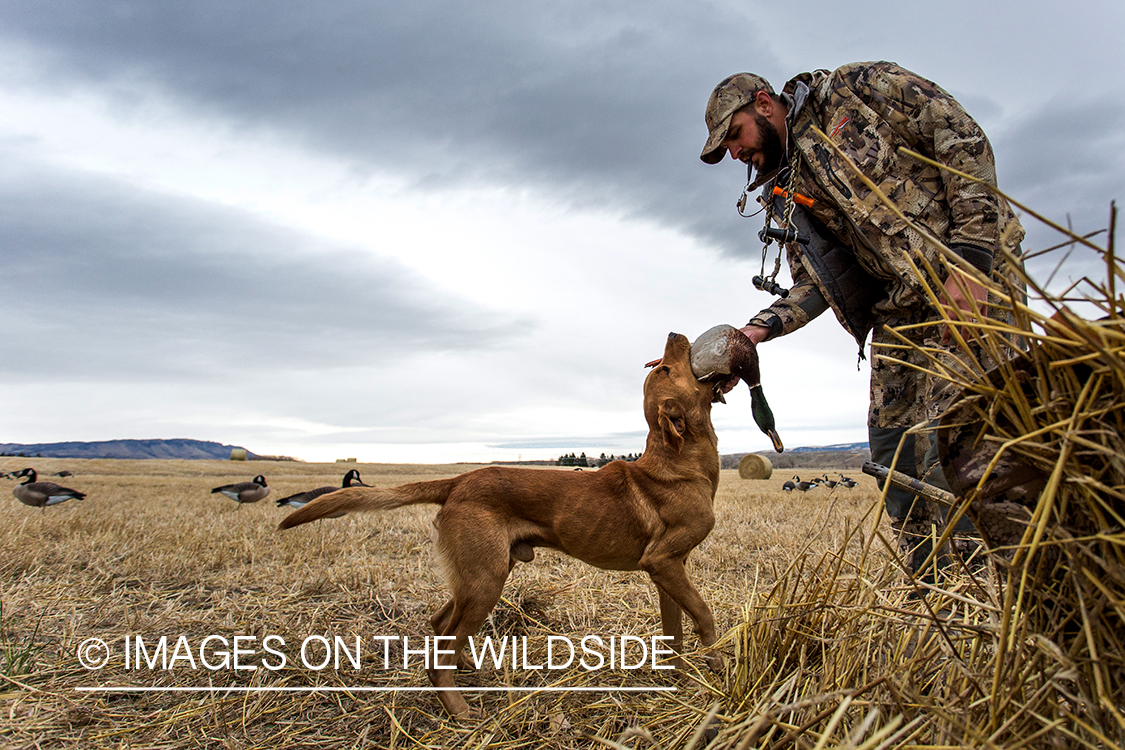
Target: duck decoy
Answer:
[[245, 492], [723, 351], [301, 499], [41, 494]]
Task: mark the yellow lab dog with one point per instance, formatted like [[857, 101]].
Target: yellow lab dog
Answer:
[[647, 515]]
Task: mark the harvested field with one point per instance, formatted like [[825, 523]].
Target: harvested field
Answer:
[[151, 552], [825, 637]]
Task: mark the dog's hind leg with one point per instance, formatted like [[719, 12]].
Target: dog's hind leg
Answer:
[[477, 565], [670, 577], [672, 625], [440, 620]]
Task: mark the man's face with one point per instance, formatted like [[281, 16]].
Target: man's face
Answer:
[[752, 139]]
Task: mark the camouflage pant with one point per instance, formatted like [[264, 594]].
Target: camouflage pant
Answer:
[[913, 519], [903, 393], [905, 396]]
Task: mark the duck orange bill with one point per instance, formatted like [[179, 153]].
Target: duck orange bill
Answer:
[[654, 362], [763, 417]]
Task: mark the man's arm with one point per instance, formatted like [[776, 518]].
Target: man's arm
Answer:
[[803, 303], [785, 315]]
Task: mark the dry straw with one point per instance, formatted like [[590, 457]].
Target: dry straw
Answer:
[[755, 466], [1033, 656]]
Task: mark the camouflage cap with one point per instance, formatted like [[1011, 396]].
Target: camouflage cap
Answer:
[[732, 93]]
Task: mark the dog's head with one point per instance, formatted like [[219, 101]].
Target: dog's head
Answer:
[[677, 405]]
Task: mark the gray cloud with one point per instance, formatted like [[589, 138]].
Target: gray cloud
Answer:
[[1065, 160], [610, 441], [586, 101], [583, 100], [136, 285]]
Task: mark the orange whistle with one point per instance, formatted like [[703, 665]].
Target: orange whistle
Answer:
[[800, 200]]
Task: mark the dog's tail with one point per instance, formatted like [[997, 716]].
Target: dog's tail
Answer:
[[359, 499]]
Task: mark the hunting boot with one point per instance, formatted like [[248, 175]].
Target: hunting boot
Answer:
[[915, 540], [969, 549]]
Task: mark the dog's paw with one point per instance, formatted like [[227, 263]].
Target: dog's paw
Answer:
[[471, 715], [716, 661], [459, 710]]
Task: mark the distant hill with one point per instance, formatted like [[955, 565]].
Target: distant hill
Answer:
[[837, 448], [175, 448], [842, 456]]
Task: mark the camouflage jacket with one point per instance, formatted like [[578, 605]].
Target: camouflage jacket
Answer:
[[869, 110]]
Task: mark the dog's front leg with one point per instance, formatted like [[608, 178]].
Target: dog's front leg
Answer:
[[672, 625], [670, 576]]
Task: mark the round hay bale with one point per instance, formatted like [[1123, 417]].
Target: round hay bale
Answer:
[[237, 454], [753, 466]]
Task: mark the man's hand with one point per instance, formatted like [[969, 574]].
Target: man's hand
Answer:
[[757, 334], [957, 297]]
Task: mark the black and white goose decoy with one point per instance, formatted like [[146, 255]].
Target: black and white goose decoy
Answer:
[[789, 485], [847, 481], [301, 499], [830, 482], [245, 492], [802, 486], [41, 494]]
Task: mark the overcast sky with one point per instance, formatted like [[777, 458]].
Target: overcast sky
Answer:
[[436, 231]]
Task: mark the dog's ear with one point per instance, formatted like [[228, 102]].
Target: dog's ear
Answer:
[[672, 424]]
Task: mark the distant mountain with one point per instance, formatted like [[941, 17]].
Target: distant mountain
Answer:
[[842, 456], [176, 448], [838, 447]]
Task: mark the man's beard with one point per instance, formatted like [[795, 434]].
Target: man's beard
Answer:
[[772, 151]]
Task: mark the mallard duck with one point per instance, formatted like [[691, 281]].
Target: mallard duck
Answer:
[[245, 492], [301, 499], [41, 494], [724, 351]]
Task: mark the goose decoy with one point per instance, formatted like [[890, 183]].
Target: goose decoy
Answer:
[[245, 492], [825, 480], [802, 486], [723, 351], [789, 486], [301, 499], [847, 481], [41, 494], [63, 473]]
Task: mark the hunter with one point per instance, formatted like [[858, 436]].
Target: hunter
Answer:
[[854, 260]]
